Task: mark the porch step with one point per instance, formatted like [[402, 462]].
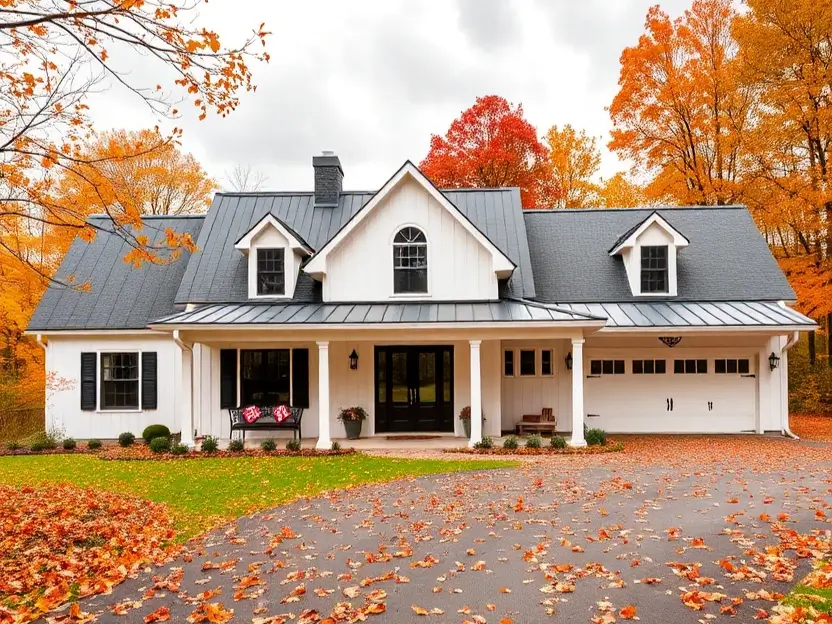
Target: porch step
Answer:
[[412, 437]]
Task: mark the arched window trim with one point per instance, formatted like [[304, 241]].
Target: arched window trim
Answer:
[[410, 261]]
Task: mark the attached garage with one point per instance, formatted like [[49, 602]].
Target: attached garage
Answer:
[[688, 393]]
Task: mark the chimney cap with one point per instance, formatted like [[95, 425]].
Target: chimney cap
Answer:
[[327, 158]]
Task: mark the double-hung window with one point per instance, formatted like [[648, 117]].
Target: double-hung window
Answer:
[[271, 274], [120, 380], [654, 269]]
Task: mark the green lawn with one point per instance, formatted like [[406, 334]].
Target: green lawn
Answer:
[[203, 493], [803, 596]]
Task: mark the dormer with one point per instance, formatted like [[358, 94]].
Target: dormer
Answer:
[[649, 251], [275, 254]]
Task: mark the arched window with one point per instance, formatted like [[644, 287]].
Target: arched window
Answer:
[[410, 261]]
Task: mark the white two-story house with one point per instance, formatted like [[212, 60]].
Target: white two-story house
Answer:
[[414, 302]]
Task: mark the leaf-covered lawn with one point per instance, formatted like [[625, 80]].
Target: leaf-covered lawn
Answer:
[[203, 493]]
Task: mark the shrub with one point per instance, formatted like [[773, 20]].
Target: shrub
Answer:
[[534, 441], [178, 448], [595, 437], [293, 445], [485, 443], [236, 446], [160, 444], [558, 442], [335, 446], [93, 444], [126, 439], [510, 442], [209, 444], [13, 446], [155, 431], [69, 444], [268, 444], [43, 441]]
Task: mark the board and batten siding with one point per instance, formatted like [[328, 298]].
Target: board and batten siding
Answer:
[[361, 267], [63, 398]]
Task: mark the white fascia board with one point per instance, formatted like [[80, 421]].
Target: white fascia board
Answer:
[[244, 244], [707, 329], [317, 265], [679, 239]]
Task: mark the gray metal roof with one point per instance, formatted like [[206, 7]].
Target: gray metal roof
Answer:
[[121, 296], [692, 314], [217, 272], [372, 313], [727, 260]]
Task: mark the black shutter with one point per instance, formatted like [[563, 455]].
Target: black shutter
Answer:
[[149, 376], [228, 378], [89, 362], [300, 378]]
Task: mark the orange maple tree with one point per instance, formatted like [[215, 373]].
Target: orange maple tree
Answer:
[[574, 160], [619, 191], [491, 144]]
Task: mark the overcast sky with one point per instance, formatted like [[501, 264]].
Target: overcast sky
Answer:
[[372, 80]]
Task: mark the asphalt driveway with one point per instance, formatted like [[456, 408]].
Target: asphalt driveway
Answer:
[[574, 539]]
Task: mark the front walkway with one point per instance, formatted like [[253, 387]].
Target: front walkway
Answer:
[[573, 536]]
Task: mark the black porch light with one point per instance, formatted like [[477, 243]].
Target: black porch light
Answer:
[[569, 361], [773, 361], [353, 360]]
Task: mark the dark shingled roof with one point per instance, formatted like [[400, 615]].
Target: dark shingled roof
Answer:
[[727, 260], [217, 271], [121, 295]]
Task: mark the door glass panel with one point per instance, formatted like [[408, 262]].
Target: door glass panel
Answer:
[[446, 374], [398, 377], [381, 373], [427, 377]]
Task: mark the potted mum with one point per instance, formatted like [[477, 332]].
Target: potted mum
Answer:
[[352, 417], [465, 417]]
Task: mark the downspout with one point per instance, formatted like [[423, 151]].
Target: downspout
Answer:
[[784, 389], [184, 347], [44, 346]]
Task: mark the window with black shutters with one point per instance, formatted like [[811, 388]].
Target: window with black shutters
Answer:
[[527, 362], [119, 381], [654, 269], [300, 378], [89, 380], [606, 367], [264, 376], [271, 275], [690, 367], [410, 261], [508, 363]]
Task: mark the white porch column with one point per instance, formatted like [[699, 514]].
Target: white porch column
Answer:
[[324, 441], [476, 393], [577, 393], [185, 367]]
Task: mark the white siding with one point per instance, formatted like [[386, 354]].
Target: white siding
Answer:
[[63, 407], [361, 267], [529, 395], [270, 238]]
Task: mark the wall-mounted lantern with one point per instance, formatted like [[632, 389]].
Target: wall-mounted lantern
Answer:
[[773, 361], [569, 361], [353, 360]]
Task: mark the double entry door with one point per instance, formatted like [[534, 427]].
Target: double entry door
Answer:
[[414, 388]]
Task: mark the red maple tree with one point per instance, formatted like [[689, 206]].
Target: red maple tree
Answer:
[[491, 144]]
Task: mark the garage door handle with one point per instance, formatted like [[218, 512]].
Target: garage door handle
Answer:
[[751, 375], [668, 404], [671, 405]]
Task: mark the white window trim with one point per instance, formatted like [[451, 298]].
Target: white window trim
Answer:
[[391, 246], [538, 362], [99, 380], [253, 281]]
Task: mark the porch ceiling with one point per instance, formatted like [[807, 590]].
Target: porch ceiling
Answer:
[[302, 314]]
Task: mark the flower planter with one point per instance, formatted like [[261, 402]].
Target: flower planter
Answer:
[[466, 426], [353, 429]]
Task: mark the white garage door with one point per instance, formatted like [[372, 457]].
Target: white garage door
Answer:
[[704, 395]]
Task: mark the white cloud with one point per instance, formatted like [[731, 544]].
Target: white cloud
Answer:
[[373, 80]]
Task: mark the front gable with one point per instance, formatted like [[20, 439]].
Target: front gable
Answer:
[[460, 262]]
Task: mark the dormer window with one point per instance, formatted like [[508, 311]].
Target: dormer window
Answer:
[[271, 272], [410, 262], [654, 269]]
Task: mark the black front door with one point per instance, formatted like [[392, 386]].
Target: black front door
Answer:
[[414, 388]]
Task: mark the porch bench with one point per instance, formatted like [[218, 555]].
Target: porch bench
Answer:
[[266, 422], [543, 422]]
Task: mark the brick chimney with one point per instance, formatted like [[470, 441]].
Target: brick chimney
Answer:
[[329, 178]]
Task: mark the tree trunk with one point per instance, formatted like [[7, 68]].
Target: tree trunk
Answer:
[[829, 340], [812, 353]]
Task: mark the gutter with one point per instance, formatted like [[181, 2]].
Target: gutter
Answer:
[[184, 347], [39, 340], [177, 340], [784, 385]]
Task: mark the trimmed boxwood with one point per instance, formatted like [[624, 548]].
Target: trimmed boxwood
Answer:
[[534, 441], [155, 431], [93, 444], [558, 442], [595, 437], [69, 444], [126, 439], [160, 444]]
